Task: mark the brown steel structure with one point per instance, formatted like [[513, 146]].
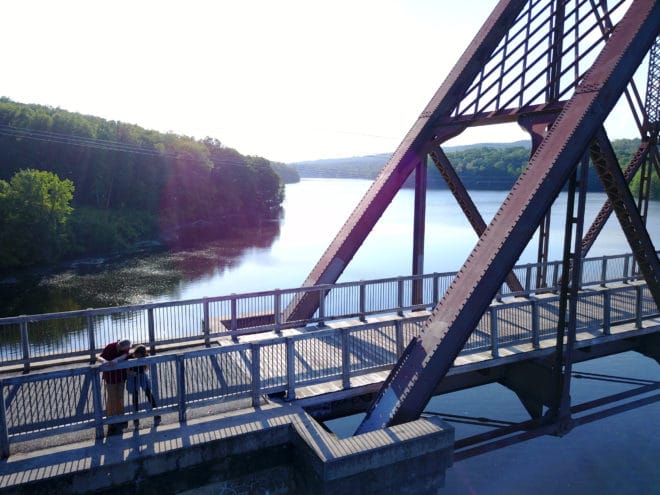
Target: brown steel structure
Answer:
[[557, 68]]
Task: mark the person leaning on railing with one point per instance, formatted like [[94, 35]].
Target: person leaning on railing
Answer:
[[139, 379], [112, 354]]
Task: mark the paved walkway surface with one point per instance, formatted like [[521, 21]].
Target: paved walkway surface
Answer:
[[62, 455]]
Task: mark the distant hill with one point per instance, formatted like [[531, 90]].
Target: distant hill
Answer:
[[486, 166], [356, 167], [368, 167]]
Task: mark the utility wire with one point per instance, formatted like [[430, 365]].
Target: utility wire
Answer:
[[103, 144]]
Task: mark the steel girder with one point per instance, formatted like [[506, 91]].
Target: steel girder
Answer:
[[428, 357], [616, 187], [601, 218], [422, 137], [464, 200]]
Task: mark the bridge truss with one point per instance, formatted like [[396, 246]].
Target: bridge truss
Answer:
[[557, 68]]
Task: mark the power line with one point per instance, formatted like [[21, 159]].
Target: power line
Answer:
[[103, 144]]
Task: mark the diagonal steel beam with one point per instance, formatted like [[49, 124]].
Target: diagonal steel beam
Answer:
[[411, 151], [464, 200], [429, 356], [606, 210], [616, 187]]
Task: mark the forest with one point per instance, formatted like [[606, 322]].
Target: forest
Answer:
[[482, 166], [73, 184]]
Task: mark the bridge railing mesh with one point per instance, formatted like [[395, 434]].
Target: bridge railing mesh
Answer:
[[33, 338], [46, 403]]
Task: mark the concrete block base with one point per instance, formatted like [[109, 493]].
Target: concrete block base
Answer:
[[403, 459], [274, 449]]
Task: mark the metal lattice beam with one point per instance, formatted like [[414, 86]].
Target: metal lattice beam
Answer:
[[429, 356], [419, 140]]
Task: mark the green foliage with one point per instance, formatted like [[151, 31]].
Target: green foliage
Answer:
[[34, 209], [287, 173], [102, 231], [625, 150], [485, 168], [168, 180], [357, 167], [268, 189], [488, 167]]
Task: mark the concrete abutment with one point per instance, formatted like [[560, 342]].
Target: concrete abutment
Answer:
[[274, 449]]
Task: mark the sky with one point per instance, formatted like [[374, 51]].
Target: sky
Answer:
[[288, 80]]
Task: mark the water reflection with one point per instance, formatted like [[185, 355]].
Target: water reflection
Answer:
[[125, 280], [280, 254]]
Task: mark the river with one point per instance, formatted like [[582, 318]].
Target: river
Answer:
[[617, 455]]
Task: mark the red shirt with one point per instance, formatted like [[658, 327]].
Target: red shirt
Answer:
[[111, 352]]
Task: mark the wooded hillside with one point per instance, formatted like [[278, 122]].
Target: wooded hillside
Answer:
[[129, 183], [482, 166]]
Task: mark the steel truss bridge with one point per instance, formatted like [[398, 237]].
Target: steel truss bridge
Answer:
[[557, 68], [331, 365]]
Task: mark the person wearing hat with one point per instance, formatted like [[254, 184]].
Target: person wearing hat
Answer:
[[115, 380]]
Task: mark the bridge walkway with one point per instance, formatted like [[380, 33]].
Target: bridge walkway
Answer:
[[282, 380], [229, 428]]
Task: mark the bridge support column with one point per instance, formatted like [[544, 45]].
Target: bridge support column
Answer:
[[534, 384], [407, 459], [650, 346]]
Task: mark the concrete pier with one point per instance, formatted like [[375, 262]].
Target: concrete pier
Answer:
[[275, 449]]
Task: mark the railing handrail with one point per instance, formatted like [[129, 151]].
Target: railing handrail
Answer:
[[524, 326], [291, 290], [203, 329], [237, 347]]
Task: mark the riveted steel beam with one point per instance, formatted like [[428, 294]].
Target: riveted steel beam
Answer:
[[429, 356], [616, 187], [411, 151]]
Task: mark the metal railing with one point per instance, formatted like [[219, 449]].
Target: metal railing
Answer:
[[33, 338], [49, 403]]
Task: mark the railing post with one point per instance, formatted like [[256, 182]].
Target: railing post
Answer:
[[4, 430], [91, 339], [626, 265], [528, 278], [255, 370], [152, 331], [536, 339], [363, 301], [494, 337], [321, 322], [400, 345], [436, 289], [607, 317], [277, 310], [603, 271], [555, 275], [234, 318], [399, 302], [181, 386], [96, 400], [206, 323], [638, 306], [345, 359], [25, 344], [290, 369], [153, 372]]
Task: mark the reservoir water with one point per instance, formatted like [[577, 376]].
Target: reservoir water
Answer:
[[616, 455]]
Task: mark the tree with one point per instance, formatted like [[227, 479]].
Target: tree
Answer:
[[129, 179], [34, 209]]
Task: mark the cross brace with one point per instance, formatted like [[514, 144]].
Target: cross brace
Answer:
[[429, 356]]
